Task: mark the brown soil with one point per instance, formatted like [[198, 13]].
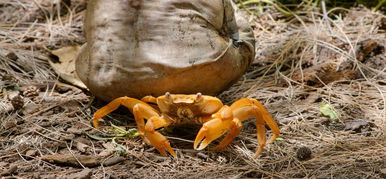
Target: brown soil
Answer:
[[301, 64]]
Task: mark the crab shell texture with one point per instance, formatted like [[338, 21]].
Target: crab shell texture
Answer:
[[136, 47]]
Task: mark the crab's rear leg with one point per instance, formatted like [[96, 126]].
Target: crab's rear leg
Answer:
[[247, 107], [113, 105]]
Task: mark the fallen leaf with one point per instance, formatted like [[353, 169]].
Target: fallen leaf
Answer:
[[96, 137], [328, 111], [65, 67], [122, 134]]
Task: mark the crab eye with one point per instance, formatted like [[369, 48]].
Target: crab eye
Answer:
[[199, 98], [168, 97]]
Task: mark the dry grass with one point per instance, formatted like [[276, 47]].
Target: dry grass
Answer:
[[292, 75]]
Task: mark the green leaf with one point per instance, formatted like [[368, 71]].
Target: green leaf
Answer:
[[132, 133], [122, 134], [98, 137], [126, 134], [380, 4], [279, 139], [118, 129], [328, 111]]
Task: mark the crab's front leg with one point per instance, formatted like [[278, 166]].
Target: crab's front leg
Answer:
[[215, 126], [241, 110], [141, 111], [148, 130]]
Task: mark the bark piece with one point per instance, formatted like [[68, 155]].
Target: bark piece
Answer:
[[73, 160]]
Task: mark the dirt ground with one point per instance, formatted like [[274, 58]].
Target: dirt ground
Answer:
[[322, 79]]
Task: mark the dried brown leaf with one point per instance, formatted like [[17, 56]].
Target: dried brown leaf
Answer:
[[65, 67]]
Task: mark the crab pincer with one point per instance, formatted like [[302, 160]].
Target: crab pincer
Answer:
[[221, 122], [229, 119]]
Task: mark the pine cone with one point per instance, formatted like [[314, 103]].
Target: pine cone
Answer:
[[17, 100], [31, 91]]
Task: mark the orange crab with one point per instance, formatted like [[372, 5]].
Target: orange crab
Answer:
[[174, 109]]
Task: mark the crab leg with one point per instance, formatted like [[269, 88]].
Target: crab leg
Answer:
[[148, 130], [113, 105], [149, 99], [234, 131], [156, 139], [240, 111], [247, 107], [215, 127], [141, 111]]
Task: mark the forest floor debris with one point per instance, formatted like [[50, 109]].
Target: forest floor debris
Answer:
[[300, 65]]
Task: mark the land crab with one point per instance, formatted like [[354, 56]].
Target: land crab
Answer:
[[175, 109]]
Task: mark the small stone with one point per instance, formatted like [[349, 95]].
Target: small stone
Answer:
[[356, 126], [303, 153], [202, 155], [31, 153]]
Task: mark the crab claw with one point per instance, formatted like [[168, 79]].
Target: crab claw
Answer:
[[215, 128]]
